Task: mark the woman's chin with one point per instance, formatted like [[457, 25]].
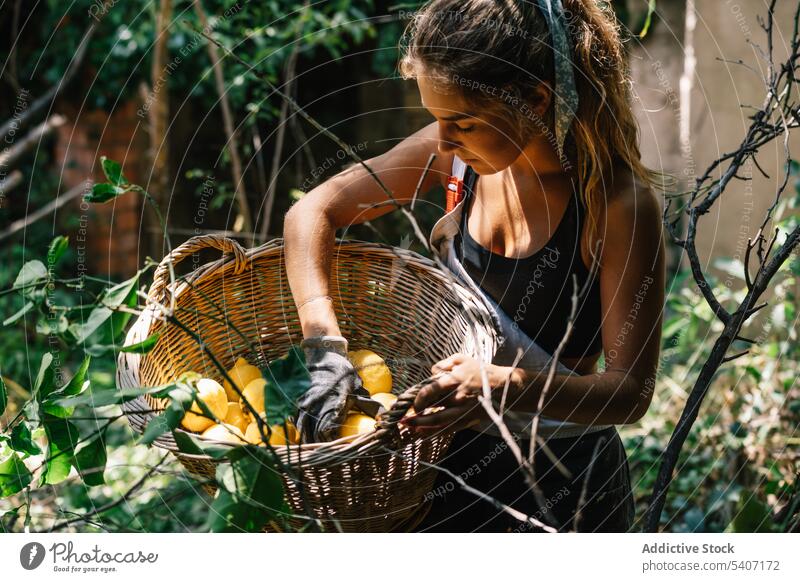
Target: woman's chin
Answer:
[[481, 167]]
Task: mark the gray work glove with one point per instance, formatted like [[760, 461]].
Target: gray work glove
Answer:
[[335, 389]]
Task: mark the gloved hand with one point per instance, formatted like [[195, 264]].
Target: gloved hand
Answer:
[[335, 389]]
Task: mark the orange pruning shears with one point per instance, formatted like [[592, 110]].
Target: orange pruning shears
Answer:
[[455, 192]]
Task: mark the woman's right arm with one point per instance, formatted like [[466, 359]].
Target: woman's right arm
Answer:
[[345, 199]]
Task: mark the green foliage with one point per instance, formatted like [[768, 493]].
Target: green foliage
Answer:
[[736, 470], [250, 492], [51, 426], [3, 396], [180, 400], [14, 475], [287, 380]]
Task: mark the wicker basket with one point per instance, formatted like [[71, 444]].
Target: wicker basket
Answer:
[[390, 300]]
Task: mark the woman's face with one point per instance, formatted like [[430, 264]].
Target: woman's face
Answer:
[[483, 140]]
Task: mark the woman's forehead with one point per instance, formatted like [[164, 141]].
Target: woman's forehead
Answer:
[[446, 106]]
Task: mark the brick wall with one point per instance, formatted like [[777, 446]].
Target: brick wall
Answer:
[[111, 229]]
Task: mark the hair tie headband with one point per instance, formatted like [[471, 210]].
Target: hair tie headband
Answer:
[[566, 94]]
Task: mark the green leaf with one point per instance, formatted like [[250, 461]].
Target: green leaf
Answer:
[[22, 440], [157, 426], [3, 396], [228, 514], [190, 444], [113, 171], [57, 248], [250, 491], [181, 398], [14, 475], [100, 398], [98, 351], [78, 383], [25, 309], [287, 380], [75, 386], [124, 292], [62, 438], [31, 273], [104, 192], [91, 457], [45, 380], [144, 346]]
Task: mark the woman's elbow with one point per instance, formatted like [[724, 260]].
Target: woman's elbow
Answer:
[[303, 215], [639, 397]]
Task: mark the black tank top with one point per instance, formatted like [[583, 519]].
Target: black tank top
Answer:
[[536, 291]]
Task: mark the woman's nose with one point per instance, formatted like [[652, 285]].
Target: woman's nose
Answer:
[[446, 142]]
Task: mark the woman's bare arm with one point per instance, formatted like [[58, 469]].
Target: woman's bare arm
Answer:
[[348, 198], [632, 295]]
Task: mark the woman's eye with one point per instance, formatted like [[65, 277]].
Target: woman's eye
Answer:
[[465, 129]]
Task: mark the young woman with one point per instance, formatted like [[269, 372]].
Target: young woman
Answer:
[[531, 108]]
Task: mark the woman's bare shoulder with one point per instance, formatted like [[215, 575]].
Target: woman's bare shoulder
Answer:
[[629, 195]]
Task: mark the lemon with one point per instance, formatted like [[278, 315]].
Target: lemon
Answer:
[[357, 424], [386, 399], [213, 395], [236, 416], [252, 434], [278, 435], [294, 434], [375, 374], [225, 433], [254, 394], [241, 374]]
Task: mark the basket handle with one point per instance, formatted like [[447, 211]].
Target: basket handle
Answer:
[[191, 246], [398, 410]]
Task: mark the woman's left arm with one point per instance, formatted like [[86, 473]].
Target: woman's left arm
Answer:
[[632, 281]]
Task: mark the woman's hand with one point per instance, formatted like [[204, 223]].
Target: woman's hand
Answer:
[[457, 390]]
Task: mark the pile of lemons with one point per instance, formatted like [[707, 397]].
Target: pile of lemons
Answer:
[[236, 422], [377, 379]]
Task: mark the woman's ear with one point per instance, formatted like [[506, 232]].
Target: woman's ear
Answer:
[[540, 100]]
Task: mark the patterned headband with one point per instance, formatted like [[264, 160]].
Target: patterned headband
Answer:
[[565, 92]]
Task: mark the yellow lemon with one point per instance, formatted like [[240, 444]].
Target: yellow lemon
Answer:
[[386, 399], [252, 434], [213, 395], [294, 434], [236, 416], [241, 362], [242, 375], [375, 374], [357, 424], [254, 393], [278, 435], [225, 433]]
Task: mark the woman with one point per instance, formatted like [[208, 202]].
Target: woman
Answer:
[[555, 195]]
